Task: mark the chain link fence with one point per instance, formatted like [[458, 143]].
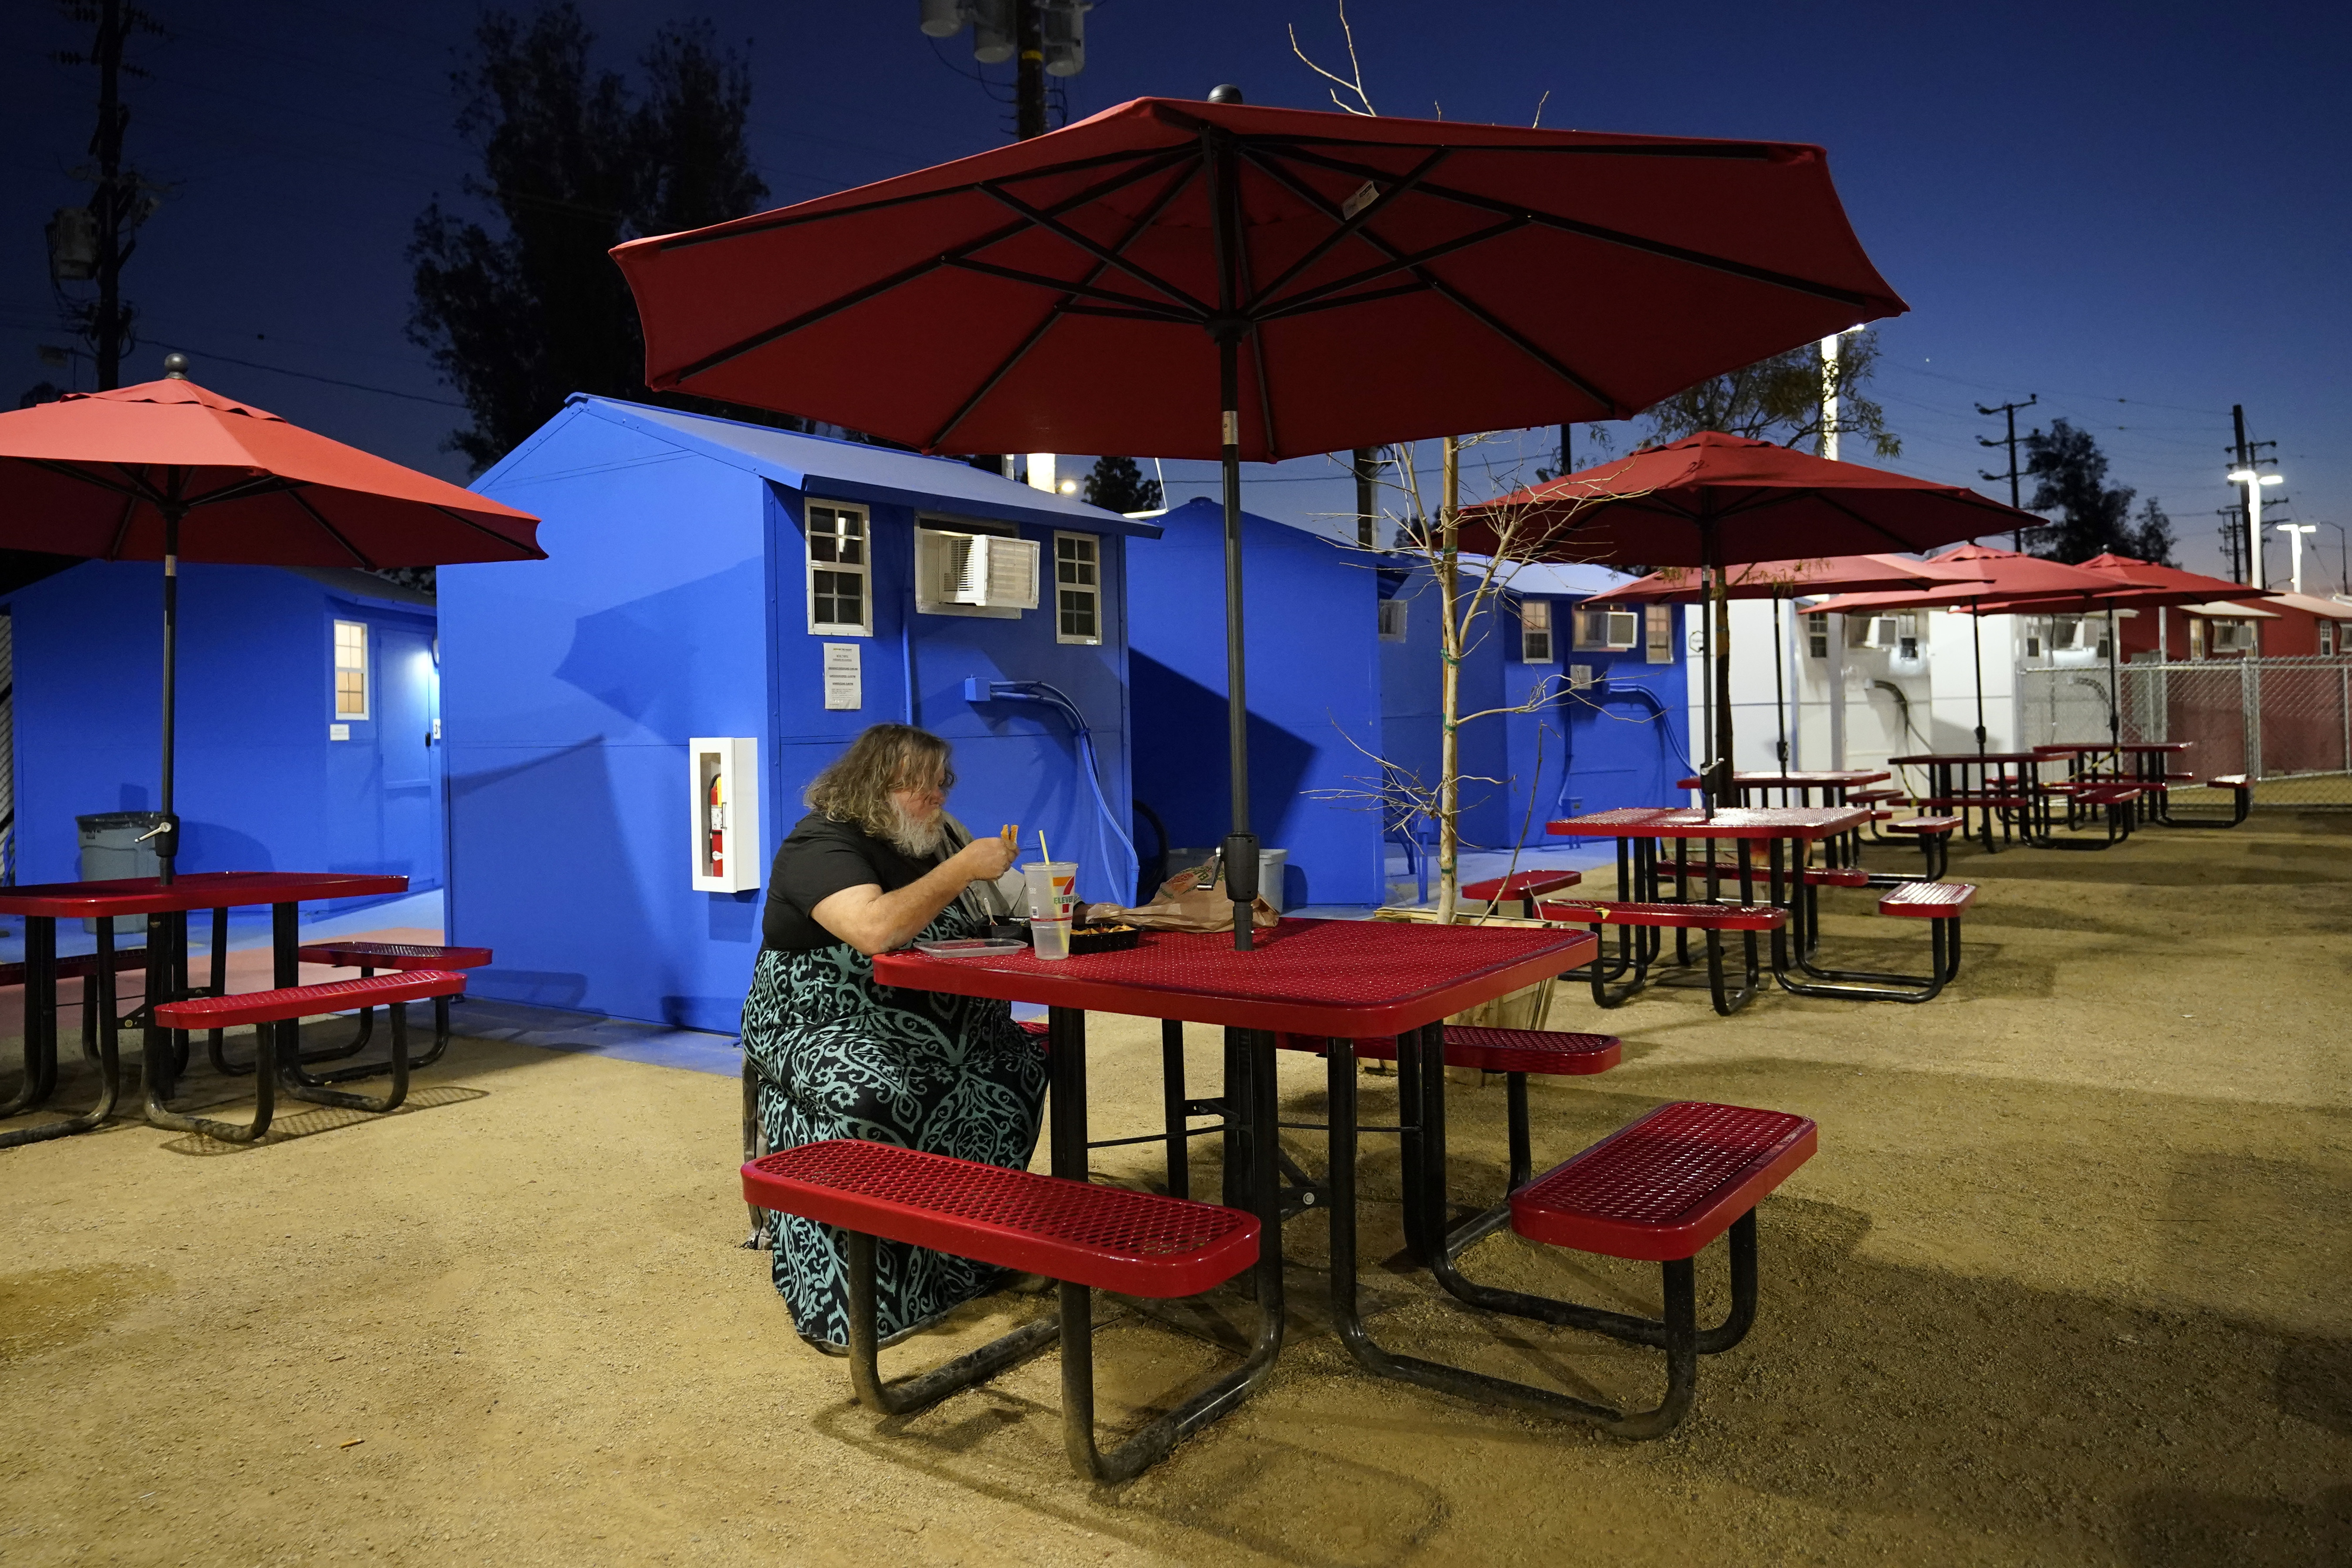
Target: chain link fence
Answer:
[[2285, 723]]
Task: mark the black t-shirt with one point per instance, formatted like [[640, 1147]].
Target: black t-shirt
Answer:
[[819, 858]]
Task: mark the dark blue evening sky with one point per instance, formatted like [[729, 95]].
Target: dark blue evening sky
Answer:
[[2137, 211]]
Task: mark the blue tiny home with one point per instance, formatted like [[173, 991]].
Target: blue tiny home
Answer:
[[1314, 685], [1344, 669], [309, 705], [708, 578]]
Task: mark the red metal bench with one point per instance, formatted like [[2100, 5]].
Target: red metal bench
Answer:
[[1635, 958], [1088, 1237], [272, 1014], [1940, 902], [367, 957], [1659, 1189], [2238, 784], [1523, 888]]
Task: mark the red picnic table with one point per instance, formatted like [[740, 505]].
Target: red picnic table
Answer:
[[1786, 831], [1342, 980], [2004, 785], [165, 960], [1833, 783]]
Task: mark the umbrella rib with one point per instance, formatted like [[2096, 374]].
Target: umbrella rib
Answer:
[[1369, 297], [294, 493], [1467, 305], [488, 533], [787, 218], [1150, 216], [1306, 298], [1108, 255], [1348, 226], [1242, 291], [1069, 286], [1615, 237], [882, 285]]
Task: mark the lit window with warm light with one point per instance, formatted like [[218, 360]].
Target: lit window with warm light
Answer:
[[350, 669]]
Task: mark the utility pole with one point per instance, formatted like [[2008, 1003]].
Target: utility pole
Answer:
[[2248, 473], [1366, 462], [116, 207], [2009, 410], [1029, 86]]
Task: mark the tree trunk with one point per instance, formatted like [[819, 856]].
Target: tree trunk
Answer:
[[1449, 686]]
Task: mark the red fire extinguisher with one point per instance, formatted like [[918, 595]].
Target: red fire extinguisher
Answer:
[[717, 809]]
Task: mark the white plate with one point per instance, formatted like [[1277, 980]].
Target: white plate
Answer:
[[971, 947]]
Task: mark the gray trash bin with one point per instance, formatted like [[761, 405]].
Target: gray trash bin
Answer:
[[110, 850]]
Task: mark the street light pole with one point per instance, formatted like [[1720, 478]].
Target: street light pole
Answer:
[[2295, 532]]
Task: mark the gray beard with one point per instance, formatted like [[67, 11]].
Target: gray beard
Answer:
[[918, 839]]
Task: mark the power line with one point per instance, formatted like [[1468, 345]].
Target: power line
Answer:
[[207, 354]]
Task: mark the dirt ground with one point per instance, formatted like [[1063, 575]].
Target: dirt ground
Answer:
[[2066, 1284]]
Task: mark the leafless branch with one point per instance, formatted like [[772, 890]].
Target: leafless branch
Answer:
[[1355, 83]]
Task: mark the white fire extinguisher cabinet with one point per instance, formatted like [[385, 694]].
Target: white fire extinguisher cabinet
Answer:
[[723, 798]]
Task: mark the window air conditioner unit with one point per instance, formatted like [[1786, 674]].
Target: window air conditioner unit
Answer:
[[984, 570], [1883, 632], [2068, 635], [2232, 637]]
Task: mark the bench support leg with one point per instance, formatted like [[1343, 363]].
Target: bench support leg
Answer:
[[755, 1138], [1416, 1050], [1871, 985], [40, 1018], [912, 1393], [303, 1086]]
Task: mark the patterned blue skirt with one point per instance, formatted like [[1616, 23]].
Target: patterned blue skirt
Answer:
[[841, 1056]]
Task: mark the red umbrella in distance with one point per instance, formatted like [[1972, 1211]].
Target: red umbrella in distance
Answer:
[[1711, 500], [2012, 582], [168, 471], [1215, 279], [1793, 579], [1778, 580]]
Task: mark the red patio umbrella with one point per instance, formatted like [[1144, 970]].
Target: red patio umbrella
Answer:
[[168, 471], [1777, 580], [1710, 501], [1215, 279]]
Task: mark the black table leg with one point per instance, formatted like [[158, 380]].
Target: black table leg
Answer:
[[40, 1051]]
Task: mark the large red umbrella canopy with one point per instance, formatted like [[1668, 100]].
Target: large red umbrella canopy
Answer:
[[1382, 280], [1727, 498], [168, 471], [94, 473], [1794, 579], [1187, 279]]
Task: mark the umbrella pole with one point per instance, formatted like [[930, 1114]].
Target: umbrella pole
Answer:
[[1779, 689], [1975, 637], [1719, 662], [1240, 843], [2115, 695], [167, 833]]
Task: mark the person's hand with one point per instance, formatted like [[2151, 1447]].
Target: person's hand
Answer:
[[985, 859]]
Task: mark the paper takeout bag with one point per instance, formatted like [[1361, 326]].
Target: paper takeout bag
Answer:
[[1182, 904]]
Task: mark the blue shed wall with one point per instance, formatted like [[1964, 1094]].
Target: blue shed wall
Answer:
[[1411, 672], [1310, 626], [1594, 749], [673, 605], [260, 786]]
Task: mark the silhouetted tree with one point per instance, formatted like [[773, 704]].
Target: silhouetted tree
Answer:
[[2152, 540], [2070, 479], [1118, 485], [572, 165], [1779, 399]]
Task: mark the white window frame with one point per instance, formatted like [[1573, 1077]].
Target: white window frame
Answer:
[[1393, 619], [1658, 634], [1817, 634], [1536, 645], [337, 669], [862, 569], [1092, 590]]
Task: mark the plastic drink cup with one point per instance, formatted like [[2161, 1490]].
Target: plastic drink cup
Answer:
[[1050, 934], [1053, 885]]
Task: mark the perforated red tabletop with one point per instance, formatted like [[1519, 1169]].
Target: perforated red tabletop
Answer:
[[2061, 748], [197, 891], [1806, 822], [1819, 778], [1348, 979]]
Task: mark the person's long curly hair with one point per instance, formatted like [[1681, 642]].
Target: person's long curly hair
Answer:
[[856, 788]]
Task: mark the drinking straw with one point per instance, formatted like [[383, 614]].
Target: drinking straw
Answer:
[[1043, 853]]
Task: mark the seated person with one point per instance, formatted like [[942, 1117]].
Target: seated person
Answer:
[[876, 864]]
